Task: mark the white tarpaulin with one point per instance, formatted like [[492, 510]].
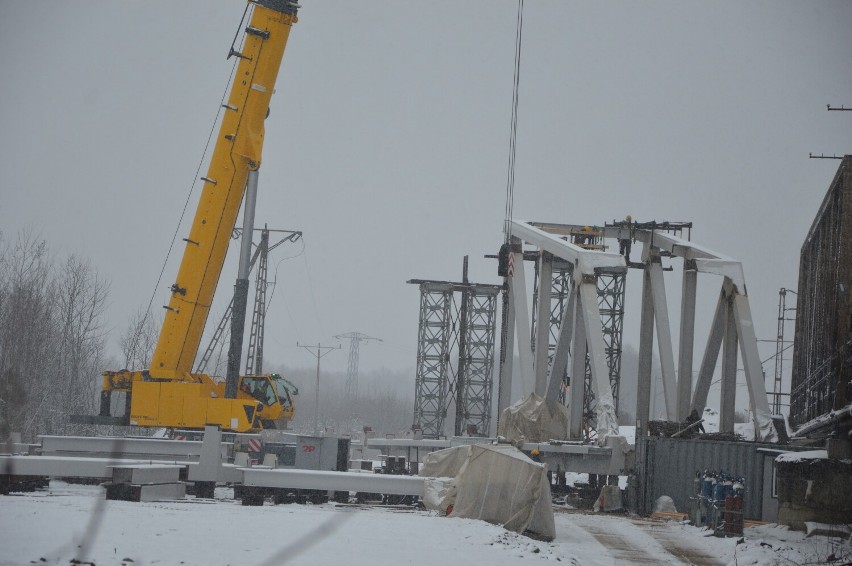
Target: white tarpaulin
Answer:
[[532, 419], [498, 484]]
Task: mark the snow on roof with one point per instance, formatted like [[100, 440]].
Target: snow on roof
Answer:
[[800, 456]]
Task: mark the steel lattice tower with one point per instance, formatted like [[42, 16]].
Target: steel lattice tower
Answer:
[[433, 359], [355, 339], [476, 366], [611, 304], [254, 357], [473, 328]]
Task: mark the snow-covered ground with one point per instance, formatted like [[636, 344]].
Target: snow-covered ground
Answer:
[[72, 521]]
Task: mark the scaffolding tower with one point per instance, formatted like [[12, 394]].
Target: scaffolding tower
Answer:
[[469, 327]]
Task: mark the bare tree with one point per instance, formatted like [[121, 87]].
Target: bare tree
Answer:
[[27, 334], [51, 341], [139, 340], [81, 298]]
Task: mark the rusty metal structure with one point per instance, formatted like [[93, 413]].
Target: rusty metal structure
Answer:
[[822, 354]]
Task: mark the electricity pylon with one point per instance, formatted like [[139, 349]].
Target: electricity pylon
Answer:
[[355, 339]]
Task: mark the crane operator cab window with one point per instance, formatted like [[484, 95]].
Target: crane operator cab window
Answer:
[[260, 388], [284, 389]]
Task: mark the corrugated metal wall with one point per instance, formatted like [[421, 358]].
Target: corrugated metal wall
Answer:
[[670, 465]]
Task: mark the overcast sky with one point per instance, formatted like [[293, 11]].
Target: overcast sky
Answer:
[[388, 141]]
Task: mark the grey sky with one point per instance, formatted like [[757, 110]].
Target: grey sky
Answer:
[[388, 140]]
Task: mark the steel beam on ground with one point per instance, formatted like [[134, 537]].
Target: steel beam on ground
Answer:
[[184, 450], [69, 467], [335, 481], [433, 444]]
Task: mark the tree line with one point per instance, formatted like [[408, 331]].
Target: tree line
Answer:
[[52, 339], [53, 350]]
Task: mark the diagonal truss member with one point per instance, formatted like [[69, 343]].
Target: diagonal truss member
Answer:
[[611, 292]]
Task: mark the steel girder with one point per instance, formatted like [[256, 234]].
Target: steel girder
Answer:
[[588, 327], [732, 325]]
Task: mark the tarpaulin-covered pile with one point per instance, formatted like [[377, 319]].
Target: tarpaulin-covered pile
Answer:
[[498, 484], [532, 419]]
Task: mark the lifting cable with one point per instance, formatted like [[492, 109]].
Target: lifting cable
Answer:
[[138, 333], [510, 182]]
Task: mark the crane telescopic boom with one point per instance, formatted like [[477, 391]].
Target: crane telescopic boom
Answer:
[[168, 394]]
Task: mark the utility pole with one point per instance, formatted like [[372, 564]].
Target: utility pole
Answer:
[[461, 417], [830, 108], [319, 355], [780, 347]]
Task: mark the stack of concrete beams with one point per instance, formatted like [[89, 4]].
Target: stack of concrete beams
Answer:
[[146, 482]]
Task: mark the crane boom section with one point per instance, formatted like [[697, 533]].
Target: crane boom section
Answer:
[[237, 150]]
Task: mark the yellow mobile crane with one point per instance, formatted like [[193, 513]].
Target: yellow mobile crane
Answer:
[[168, 394]]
